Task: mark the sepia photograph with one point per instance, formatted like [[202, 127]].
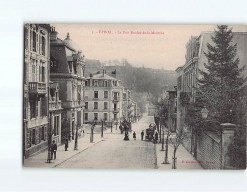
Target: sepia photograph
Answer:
[[134, 96]]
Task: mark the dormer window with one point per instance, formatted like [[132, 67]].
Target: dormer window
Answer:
[[105, 83]]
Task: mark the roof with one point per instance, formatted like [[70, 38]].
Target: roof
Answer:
[[101, 76]]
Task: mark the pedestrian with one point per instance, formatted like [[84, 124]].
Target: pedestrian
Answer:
[[142, 134], [66, 144], [134, 135], [156, 136], [53, 149]]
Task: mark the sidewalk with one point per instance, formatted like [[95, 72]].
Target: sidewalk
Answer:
[[184, 159], [40, 160]]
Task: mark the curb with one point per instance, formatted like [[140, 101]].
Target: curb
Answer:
[[76, 154]]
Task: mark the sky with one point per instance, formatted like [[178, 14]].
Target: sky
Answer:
[[164, 49]]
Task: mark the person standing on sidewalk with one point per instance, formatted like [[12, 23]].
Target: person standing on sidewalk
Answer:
[[134, 135], [53, 149], [142, 134], [66, 144]]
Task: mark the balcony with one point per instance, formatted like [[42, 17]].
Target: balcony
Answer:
[[53, 105], [116, 99], [115, 110], [37, 87]]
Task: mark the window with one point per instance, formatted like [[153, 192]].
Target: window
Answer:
[[105, 94], [70, 67], [43, 133], [115, 95], [95, 116], [95, 83], [43, 46], [115, 117], [34, 47], [33, 70], [105, 116], [79, 92], [87, 83], [96, 94], [105, 105], [105, 83], [79, 118], [86, 105], [86, 116], [33, 137], [26, 38], [115, 106], [33, 108], [124, 96], [95, 105]]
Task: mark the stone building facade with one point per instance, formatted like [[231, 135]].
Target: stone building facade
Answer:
[[36, 87], [103, 98], [67, 69], [55, 110]]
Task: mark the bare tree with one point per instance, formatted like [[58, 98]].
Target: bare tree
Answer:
[[176, 143]]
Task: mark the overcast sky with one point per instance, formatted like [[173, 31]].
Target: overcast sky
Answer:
[[165, 50]]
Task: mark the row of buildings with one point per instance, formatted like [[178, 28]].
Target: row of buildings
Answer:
[[58, 98], [208, 146]]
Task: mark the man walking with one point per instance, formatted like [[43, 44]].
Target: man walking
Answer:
[[134, 135], [142, 134], [66, 144], [53, 149]]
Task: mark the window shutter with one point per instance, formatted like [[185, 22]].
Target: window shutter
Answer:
[[44, 106], [36, 108]]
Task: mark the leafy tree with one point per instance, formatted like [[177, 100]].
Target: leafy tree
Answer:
[[220, 85]]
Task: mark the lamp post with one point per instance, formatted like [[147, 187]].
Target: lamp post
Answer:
[[92, 128], [166, 154], [102, 128], [163, 137], [111, 126], [76, 137], [204, 112]]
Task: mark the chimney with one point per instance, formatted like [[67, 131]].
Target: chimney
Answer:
[[54, 34]]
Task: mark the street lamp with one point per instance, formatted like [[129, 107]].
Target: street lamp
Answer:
[[204, 112], [76, 137]]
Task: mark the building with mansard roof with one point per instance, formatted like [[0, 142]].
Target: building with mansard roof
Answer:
[[67, 69]]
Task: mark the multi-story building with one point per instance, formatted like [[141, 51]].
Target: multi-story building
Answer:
[[36, 85], [126, 103], [172, 110], [55, 110], [188, 75], [67, 69], [103, 98]]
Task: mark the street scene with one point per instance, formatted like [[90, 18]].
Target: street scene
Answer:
[[118, 96]]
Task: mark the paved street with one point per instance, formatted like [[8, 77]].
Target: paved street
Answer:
[[114, 152]]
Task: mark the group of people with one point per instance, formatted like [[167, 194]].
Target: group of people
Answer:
[[52, 153], [155, 138]]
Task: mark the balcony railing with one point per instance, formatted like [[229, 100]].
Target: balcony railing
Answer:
[[116, 99], [116, 110], [55, 105], [37, 87]]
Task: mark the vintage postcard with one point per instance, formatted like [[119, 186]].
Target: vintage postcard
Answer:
[[134, 96]]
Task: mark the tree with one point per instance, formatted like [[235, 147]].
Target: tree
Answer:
[[220, 85]]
